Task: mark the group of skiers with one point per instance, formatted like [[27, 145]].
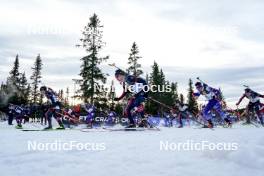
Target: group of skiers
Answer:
[[212, 95], [135, 105]]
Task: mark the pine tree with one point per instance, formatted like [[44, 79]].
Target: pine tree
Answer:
[[192, 103], [67, 96], [147, 78], [3, 95], [41, 99], [12, 93], [61, 94], [14, 73], [36, 79], [112, 95], [182, 100], [23, 88], [157, 78], [90, 72], [27, 93], [134, 66], [154, 79], [162, 77], [174, 92]]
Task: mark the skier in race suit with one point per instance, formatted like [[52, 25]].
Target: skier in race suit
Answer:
[[90, 109], [214, 103], [138, 87], [182, 112], [112, 115], [254, 104], [19, 114], [55, 108]]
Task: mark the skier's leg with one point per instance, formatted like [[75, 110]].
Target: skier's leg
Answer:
[[218, 108], [10, 118], [207, 112], [19, 121], [48, 116], [128, 109], [249, 109], [257, 110], [180, 120], [58, 118], [140, 109], [89, 120], [41, 118], [184, 115]]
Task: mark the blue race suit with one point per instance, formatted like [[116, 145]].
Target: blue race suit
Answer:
[[212, 95], [137, 86], [90, 109], [18, 113], [54, 110]]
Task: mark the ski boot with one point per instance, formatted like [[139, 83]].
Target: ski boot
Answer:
[[209, 125], [89, 126], [228, 123], [48, 128], [261, 121], [143, 123], [60, 128], [19, 126], [180, 126], [131, 125]]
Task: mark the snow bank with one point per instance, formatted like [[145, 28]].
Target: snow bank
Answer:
[[133, 153]]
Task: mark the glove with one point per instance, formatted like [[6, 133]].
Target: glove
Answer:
[[134, 110]]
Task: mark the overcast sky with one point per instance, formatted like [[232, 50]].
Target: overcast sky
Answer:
[[220, 41]]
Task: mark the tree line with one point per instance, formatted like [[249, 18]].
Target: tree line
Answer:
[[91, 41], [18, 90]]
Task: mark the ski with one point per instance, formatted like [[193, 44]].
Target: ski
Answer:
[[201, 127], [45, 130], [32, 130], [257, 125], [94, 130], [133, 129]]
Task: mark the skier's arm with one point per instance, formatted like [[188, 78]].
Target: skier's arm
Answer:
[[52, 91], [85, 108], [239, 101], [208, 88], [196, 95], [259, 95]]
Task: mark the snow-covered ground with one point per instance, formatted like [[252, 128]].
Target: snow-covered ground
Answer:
[[133, 153]]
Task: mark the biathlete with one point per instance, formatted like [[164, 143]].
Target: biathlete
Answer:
[[54, 110], [138, 87]]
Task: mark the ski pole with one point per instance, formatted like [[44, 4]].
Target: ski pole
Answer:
[[114, 65], [172, 108], [246, 86], [237, 113], [68, 116], [198, 78], [160, 103]]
